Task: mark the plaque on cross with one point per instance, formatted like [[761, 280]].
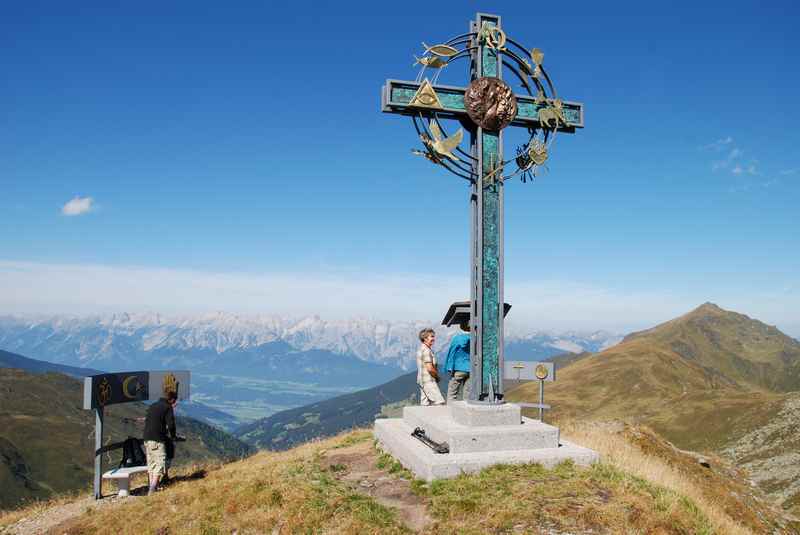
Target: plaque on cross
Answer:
[[485, 107]]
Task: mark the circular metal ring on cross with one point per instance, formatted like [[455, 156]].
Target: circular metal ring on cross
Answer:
[[490, 108]]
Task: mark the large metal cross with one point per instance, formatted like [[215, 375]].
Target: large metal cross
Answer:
[[486, 199]]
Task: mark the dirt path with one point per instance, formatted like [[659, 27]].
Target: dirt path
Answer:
[[47, 518], [356, 466]]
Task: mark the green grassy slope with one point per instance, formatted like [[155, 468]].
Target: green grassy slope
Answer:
[[742, 349], [289, 428], [13, 360], [47, 439], [682, 378]]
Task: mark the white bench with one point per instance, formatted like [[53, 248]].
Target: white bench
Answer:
[[123, 477]]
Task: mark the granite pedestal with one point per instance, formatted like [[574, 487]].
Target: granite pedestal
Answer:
[[478, 436]]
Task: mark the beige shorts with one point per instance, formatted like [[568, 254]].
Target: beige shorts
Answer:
[[156, 458], [429, 394]]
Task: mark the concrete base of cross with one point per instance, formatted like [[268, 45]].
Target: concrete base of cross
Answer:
[[478, 436]]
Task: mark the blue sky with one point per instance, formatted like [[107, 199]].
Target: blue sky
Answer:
[[244, 143]]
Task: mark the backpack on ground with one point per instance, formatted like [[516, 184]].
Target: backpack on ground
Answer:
[[132, 453]]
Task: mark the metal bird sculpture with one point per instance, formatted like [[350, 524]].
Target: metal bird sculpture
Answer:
[[440, 146]]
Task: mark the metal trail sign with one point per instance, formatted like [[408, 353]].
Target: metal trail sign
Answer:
[[100, 391]]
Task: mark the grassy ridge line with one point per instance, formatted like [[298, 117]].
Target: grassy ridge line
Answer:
[[297, 491], [721, 492]]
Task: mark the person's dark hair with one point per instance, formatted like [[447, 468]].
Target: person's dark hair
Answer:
[[171, 395], [464, 326]]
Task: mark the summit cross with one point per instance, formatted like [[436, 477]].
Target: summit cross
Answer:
[[480, 109]]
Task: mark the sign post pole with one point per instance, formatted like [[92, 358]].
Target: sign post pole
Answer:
[[98, 457], [541, 400]]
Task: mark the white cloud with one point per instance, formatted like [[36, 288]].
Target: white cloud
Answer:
[[78, 206], [719, 144], [749, 169], [790, 171], [732, 156], [27, 287]]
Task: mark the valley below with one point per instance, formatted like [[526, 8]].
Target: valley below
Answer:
[[251, 398]]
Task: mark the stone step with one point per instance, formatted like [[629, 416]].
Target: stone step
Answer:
[[394, 437], [440, 426]]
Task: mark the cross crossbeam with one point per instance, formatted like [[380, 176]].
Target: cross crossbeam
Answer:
[[397, 94]]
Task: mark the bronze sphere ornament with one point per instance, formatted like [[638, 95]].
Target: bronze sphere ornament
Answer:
[[490, 103]]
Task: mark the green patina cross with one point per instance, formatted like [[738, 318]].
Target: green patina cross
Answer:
[[487, 304]]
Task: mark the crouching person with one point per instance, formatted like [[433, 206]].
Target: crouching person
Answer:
[[159, 430], [427, 374]]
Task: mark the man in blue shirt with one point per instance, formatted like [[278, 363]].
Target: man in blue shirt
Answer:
[[458, 365]]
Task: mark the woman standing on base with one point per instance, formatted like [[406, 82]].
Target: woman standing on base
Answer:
[[427, 374]]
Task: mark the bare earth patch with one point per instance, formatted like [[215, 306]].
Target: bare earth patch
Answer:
[[357, 466]]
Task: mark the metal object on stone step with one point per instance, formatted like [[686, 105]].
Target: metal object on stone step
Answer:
[[419, 434]]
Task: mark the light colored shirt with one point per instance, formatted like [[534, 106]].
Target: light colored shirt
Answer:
[[424, 356]]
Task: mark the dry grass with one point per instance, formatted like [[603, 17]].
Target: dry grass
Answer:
[[727, 502], [636, 489], [567, 499], [272, 492]]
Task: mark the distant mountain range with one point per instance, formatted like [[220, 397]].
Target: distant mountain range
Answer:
[[253, 366], [221, 342]]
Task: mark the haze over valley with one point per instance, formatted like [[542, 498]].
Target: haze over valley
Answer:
[[253, 366]]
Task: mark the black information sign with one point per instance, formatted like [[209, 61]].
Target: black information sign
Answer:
[[123, 387]]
